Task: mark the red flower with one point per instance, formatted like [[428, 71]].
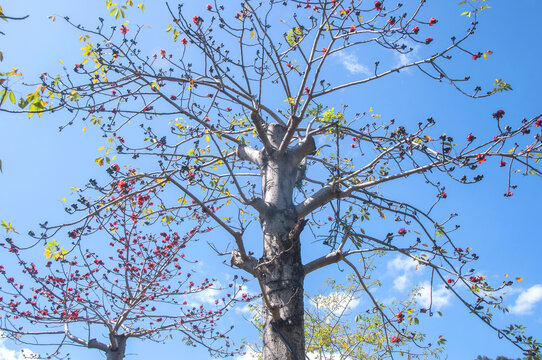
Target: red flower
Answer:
[[428, 40], [502, 163], [443, 195], [402, 231], [432, 21], [306, 90], [378, 5], [173, 97], [480, 158], [196, 19], [498, 115], [190, 176], [209, 7], [471, 137], [72, 234], [538, 123], [450, 281], [415, 29], [184, 41], [391, 20], [124, 29], [400, 316], [238, 15], [324, 50], [163, 53], [228, 108], [352, 28], [115, 167], [395, 339]]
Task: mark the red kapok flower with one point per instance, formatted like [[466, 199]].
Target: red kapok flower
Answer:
[[395, 339], [72, 234], [196, 19], [480, 158], [402, 231], [184, 41], [124, 29], [443, 195], [324, 50], [115, 167], [502, 163], [415, 29], [428, 40], [163, 53], [209, 7], [391, 20], [471, 137], [432, 21], [173, 97], [378, 5], [498, 114], [352, 28]]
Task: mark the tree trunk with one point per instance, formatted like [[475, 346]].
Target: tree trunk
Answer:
[[280, 269], [281, 272], [119, 352]]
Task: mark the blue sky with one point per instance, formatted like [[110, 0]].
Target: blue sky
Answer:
[[40, 164]]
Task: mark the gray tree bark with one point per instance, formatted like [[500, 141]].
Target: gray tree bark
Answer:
[[117, 352], [280, 269]]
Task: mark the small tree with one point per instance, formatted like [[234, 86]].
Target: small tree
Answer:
[[139, 286], [247, 115]]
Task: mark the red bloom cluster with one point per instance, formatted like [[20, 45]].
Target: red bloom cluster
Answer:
[[396, 339], [471, 137], [400, 317], [209, 7], [163, 53], [428, 40], [124, 29], [415, 29], [432, 21], [197, 20], [378, 5], [391, 20], [184, 41], [402, 231], [498, 114]]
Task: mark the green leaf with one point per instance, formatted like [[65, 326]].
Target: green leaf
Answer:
[[12, 97]]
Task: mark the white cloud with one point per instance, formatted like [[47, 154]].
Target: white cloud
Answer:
[[404, 59], [527, 300], [249, 355], [352, 64], [401, 268], [441, 296], [8, 354]]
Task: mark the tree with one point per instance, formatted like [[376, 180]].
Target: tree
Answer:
[[248, 126], [141, 287], [332, 331]]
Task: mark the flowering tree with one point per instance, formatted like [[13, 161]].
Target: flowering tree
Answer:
[[237, 123], [138, 286], [333, 330]]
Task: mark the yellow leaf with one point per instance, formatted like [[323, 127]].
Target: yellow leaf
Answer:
[[251, 34], [207, 138], [520, 279], [84, 129]]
